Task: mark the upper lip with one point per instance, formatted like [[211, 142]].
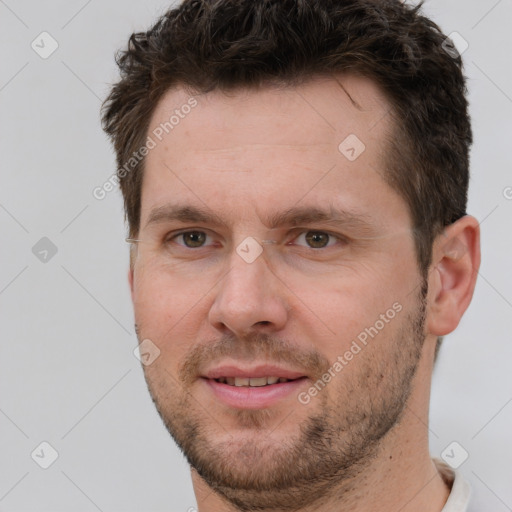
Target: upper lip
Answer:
[[265, 370]]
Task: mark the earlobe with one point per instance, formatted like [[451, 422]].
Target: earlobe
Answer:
[[452, 279]]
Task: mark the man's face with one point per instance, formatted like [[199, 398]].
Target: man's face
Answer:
[[301, 294]]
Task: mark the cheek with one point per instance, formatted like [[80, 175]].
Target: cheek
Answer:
[[157, 302], [348, 308], [169, 311]]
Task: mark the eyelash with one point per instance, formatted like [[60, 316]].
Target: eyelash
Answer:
[[173, 236]]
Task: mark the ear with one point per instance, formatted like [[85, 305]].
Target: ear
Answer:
[[453, 273]]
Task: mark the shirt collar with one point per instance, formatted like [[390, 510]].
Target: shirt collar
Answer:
[[460, 493]]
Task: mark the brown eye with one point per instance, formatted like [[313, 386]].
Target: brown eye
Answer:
[[317, 239], [192, 238]]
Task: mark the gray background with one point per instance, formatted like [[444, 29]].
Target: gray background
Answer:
[[68, 375]]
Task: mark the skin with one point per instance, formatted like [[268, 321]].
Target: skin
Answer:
[[245, 156]]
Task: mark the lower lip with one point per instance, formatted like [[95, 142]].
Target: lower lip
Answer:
[[245, 397]]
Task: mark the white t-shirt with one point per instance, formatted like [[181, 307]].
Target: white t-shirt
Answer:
[[458, 500]]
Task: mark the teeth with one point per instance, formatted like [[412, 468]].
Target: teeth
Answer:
[[258, 381], [251, 381]]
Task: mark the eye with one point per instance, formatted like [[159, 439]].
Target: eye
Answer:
[[317, 239], [190, 239]]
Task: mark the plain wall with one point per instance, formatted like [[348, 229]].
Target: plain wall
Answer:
[[68, 375]]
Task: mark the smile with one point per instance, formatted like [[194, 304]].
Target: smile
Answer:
[[251, 381]]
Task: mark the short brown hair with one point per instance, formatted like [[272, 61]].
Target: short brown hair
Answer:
[[205, 45]]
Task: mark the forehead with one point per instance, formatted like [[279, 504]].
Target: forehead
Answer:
[[230, 150], [322, 108]]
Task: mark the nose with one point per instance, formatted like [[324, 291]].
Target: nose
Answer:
[[250, 297]]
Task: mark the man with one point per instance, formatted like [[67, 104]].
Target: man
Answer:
[[295, 178]]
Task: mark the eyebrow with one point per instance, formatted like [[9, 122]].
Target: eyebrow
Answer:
[[293, 216], [183, 213]]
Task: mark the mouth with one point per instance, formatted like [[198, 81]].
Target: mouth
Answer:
[[257, 388], [253, 382]]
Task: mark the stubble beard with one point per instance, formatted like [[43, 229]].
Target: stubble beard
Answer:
[[330, 448]]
